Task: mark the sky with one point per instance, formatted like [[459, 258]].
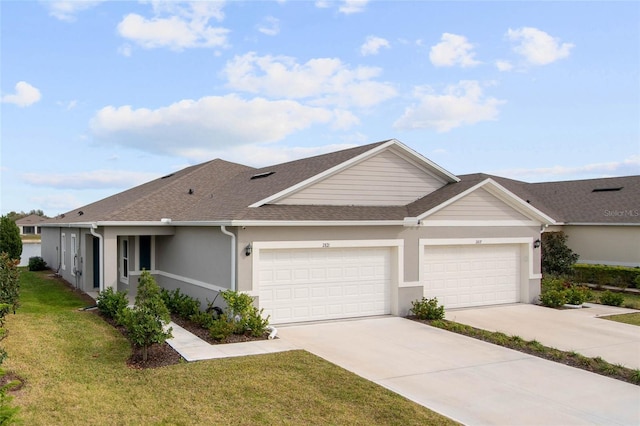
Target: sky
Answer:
[[100, 96]]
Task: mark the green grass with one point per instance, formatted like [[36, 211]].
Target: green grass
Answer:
[[533, 347], [74, 370], [631, 301], [633, 319]]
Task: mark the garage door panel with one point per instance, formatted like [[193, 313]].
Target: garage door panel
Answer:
[[339, 283], [461, 276]]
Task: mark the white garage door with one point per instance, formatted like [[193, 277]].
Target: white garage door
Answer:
[[317, 284], [472, 275]]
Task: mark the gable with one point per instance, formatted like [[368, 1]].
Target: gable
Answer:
[[385, 179], [478, 205]]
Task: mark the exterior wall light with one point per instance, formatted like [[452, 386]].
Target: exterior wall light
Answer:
[[536, 243], [247, 250]]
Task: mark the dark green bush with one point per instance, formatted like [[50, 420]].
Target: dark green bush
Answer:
[[10, 241], [179, 303], [553, 298], [577, 295], [557, 257], [611, 298], [619, 276], [221, 328], [240, 317], [203, 319], [427, 309], [111, 302], [9, 281], [37, 263]]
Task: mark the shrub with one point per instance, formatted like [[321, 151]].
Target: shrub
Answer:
[[577, 295], [10, 241], [611, 298], [221, 328], [145, 323], [553, 298], [240, 316], [9, 281], [619, 276], [37, 263], [427, 309], [111, 302], [179, 303], [203, 319], [557, 257]]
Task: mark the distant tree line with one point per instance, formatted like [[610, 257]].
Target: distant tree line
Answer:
[[19, 215]]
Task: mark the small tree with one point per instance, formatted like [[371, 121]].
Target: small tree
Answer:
[[145, 323], [10, 241], [557, 257]]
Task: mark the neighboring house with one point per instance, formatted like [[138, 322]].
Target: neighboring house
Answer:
[[359, 232], [601, 217], [30, 225]]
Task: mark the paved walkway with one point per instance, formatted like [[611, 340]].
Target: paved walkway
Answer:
[[193, 348], [580, 330]]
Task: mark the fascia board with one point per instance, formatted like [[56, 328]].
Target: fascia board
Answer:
[[503, 194], [448, 176]]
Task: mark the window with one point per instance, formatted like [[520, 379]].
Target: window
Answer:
[[144, 245], [74, 253], [63, 244], [27, 230], [124, 259]]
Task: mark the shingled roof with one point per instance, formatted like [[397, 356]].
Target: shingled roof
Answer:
[[221, 191]]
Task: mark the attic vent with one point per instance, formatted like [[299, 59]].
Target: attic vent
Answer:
[[618, 188], [167, 176], [262, 175]]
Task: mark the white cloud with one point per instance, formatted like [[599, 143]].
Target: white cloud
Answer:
[[503, 65], [61, 202], [175, 26], [373, 45], [628, 166], [538, 47], [270, 26], [352, 6], [195, 128], [322, 81], [68, 105], [453, 50], [96, 179], [67, 10], [25, 95], [460, 104]]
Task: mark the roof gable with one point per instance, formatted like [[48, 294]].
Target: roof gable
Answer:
[[478, 205], [387, 174]]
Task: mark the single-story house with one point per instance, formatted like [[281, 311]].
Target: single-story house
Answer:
[[601, 217], [358, 232], [30, 225]]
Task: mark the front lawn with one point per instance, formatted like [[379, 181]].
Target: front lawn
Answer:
[[74, 369], [633, 319], [631, 300]]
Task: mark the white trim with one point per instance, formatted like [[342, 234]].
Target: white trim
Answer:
[[598, 224], [481, 223], [121, 259], [528, 241], [502, 194], [73, 242], [397, 261], [181, 278], [367, 154]]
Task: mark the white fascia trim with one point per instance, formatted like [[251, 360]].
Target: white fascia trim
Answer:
[[67, 225], [598, 224], [423, 242], [317, 223], [481, 223], [390, 143], [503, 194], [444, 173], [181, 278]]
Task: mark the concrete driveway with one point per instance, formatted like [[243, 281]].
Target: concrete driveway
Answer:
[[579, 330], [465, 379]]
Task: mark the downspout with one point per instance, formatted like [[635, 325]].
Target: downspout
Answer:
[[223, 228], [101, 259]]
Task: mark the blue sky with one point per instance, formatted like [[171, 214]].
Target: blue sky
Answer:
[[100, 96]]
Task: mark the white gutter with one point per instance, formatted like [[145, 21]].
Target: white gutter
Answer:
[[101, 260], [233, 255]]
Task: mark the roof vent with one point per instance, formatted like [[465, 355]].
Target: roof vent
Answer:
[[80, 213], [190, 191], [167, 176], [262, 175], [617, 188]]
